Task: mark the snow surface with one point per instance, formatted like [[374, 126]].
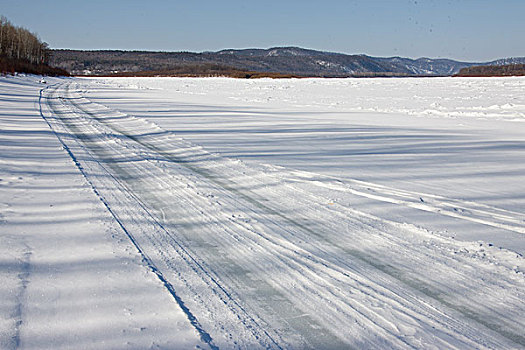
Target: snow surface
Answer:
[[222, 213], [70, 278], [459, 138]]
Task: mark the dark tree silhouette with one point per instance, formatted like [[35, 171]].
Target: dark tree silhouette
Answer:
[[23, 51], [493, 71]]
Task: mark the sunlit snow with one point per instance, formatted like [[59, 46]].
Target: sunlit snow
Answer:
[[294, 213]]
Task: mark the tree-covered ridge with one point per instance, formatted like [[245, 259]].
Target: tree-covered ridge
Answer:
[[283, 60]]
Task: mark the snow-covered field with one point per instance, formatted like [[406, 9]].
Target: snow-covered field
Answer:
[[221, 213]]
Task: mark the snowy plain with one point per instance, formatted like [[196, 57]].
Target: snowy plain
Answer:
[[69, 278], [223, 213], [458, 138]]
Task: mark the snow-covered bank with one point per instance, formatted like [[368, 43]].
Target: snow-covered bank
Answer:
[[69, 278], [303, 228]]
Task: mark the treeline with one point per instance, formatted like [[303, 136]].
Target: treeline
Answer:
[[22, 51], [493, 71], [20, 44], [203, 70]]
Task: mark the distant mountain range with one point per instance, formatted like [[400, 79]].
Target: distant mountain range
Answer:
[[284, 60]]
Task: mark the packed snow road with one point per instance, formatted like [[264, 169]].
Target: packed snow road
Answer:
[[262, 256]]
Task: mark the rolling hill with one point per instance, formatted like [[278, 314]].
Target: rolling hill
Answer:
[[284, 60]]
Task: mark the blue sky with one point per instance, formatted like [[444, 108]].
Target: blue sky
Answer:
[[474, 30]]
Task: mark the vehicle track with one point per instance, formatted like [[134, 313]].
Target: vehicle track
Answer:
[[251, 248], [149, 235]]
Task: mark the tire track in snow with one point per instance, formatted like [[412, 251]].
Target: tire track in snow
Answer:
[[413, 283], [288, 252], [258, 335], [296, 224], [369, 260], [205, 337], [227, 298], [250, 200]]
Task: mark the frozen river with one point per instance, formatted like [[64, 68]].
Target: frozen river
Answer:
[[222, 213]]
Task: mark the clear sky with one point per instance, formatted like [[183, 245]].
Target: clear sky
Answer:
[[473, 30]]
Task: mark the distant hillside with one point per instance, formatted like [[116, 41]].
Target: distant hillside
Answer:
[[493, 71], [283, 60]]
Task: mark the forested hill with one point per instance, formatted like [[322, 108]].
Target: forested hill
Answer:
[[284, 60]]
